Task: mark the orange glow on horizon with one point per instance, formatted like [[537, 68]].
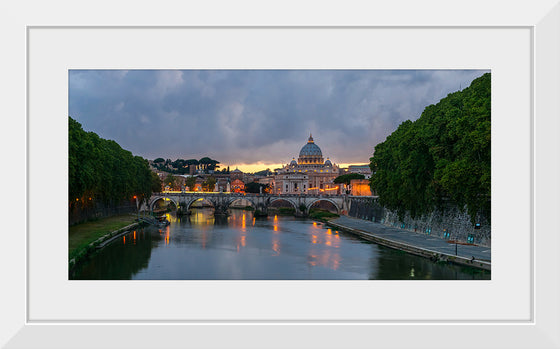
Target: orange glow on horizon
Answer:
[[250, 168], [260, 166]]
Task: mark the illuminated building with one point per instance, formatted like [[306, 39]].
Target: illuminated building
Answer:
[[310, 174], [237, 186], [360, 187]]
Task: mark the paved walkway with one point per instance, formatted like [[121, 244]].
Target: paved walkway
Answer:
[[414, 239]]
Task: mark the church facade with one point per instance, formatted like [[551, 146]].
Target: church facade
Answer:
[[310, 174]]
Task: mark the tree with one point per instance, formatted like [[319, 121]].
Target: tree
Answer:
[[159, 160], [442, 157], [190, 183], [170, 180], [255, 187], [100, 169], [209, 184], [208, 163], [156, 183], [346, 178]]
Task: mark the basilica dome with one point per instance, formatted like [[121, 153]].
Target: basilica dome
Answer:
[[310, 149], [310, 154]]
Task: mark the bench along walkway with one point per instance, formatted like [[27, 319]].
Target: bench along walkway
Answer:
[[428, 246]]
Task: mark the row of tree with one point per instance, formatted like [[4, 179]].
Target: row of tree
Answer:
[[181, 166], [100, 170], [443, 157]]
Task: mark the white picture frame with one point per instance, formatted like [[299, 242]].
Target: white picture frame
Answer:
[[20, 327]]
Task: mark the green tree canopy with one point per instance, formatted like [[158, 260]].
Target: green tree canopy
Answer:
[[209, 184], [444, 156], [346, 178], [156, 183], [190, 182], [254, 187], [100, 169]]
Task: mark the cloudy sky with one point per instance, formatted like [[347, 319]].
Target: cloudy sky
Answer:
[[254, 117]]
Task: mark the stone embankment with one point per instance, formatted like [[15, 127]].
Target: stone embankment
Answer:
[[449, 224], [431, 247]]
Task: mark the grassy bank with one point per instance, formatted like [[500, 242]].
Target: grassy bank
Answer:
[[282, 211], [322, 215], [83, 234]]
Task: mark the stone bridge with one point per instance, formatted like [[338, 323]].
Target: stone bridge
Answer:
[[261, 202]]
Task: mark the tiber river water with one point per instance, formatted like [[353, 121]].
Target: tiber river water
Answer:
[[202, 247]]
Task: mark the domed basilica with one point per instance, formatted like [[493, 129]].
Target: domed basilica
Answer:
[[310, 174]]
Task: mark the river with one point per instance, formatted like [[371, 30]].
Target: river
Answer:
[[241, 247]]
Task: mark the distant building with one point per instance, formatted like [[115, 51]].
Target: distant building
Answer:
[[361, 169], [309, 174], [236, 174]]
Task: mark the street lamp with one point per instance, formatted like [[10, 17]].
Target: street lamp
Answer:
[[137, 214]]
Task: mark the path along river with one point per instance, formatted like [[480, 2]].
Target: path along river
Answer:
[[204, 247]]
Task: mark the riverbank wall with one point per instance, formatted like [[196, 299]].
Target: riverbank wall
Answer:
[[434, 256], [451, 223]]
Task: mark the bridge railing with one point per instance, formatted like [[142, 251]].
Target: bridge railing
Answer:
[[259, 194]]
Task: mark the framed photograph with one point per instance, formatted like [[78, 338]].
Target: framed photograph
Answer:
[[517, 308]]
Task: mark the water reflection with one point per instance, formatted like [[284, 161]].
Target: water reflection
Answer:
[[121, 259], [240, 246]]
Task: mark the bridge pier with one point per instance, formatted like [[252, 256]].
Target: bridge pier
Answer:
[[261, 210]]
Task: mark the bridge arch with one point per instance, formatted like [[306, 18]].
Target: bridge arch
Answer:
[[199, 198], [234, 199], [162, 197], [283, 199], [324, 199]]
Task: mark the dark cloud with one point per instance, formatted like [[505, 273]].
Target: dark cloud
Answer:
[[245, 116]]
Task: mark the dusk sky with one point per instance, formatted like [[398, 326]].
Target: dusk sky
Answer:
[[254, 119]]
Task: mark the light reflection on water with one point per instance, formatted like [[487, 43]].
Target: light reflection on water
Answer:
[[240, 246]]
